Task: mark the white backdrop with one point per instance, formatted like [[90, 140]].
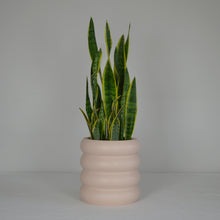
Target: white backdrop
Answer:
[[44, 61]]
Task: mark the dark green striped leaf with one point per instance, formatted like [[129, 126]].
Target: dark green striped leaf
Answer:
[[115, 106], [96, 62], [94, 71], [127, 43], [115, 129], [92, 40], [102, 129], [108, 89], [120, 63], [109, 122], [88, 103], [115, 64], [102, 122], [123, 102], [112, 118], [130, 110], [108, 39], [101, 112], [98, 99]]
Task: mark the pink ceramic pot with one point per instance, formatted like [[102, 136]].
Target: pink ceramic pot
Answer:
[[110, 174]]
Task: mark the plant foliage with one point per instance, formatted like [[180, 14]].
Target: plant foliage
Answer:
[[111, 114]]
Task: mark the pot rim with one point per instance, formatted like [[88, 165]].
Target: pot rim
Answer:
[[109, 147]]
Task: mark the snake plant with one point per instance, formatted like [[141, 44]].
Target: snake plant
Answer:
[[111, 114]]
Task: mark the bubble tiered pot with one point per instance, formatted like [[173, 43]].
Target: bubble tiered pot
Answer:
[[110, 174]]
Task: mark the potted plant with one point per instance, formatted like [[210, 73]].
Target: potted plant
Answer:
[[110, 162]]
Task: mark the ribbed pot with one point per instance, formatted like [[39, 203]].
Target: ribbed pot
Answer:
[[110, 174]]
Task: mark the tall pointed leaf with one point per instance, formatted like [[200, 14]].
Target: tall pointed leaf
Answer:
[[96, 62], [108, 39], [88, 103], [130, 110], [99, 98], [115, 64], [127, 43], [123, 101], [120, 63], [94, 71], [92, 40], [108, 89]]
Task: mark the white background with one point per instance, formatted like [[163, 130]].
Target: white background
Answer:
[[44, 61]]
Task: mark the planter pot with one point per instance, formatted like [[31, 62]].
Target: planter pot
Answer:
[[110, 174]]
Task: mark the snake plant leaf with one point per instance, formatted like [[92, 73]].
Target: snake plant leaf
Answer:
[[109, 122], [98, 99], [93, 49], [94, 84], [127, 43], [115, 64], [102, 129], [93, 118], [112, 117], [102, 122], [88, 123], [108, 88], [130, 110], [101, 112], [115, 106], [123, 102], [88, 103], [96, 105], [96, 62], [108, 39], [94, 71], [95, 130], [115, 128], [121, 63]]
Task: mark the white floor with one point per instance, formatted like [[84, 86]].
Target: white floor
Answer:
[[53, 196]]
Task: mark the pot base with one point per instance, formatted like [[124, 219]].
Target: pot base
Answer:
[[109, 197]]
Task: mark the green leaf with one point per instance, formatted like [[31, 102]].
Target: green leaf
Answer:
[[115, 106], [115, 127], [127, 43], [123, 102], [109, 122], [93, 49], [102, 122], [115, 64], [130, 110], [104, 130], [95, 130], [120, 63], [94, 71], [112, 118], [108, 89], [101, 112], [108, 39], [96, 62], [88, 123], [99, 98], [88, 103]]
